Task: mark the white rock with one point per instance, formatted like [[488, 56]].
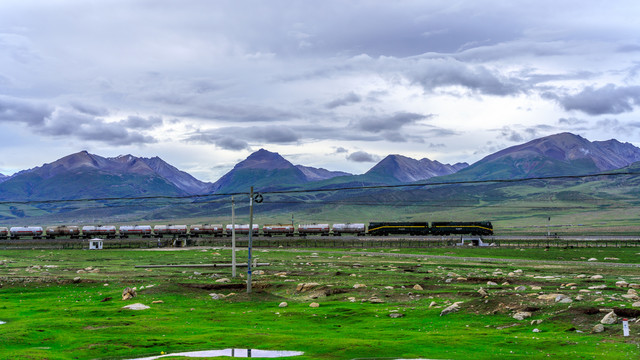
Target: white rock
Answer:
[[592, 259], [283, 304], [358, 286], [598, 328], [491, 283], [451, 309], [610, 318], [596, 277], [136, 306], [521, 315], [417, 287], [314, 305]]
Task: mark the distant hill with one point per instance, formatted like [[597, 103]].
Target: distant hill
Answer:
[[263, 170], [402, 169], [555, 155], [315, 174], [3, 178], [84, 175]]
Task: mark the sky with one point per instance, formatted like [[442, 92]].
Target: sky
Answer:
[[331, 84]]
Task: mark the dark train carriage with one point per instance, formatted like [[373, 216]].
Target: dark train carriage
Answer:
[[461, 227], [398, 228]]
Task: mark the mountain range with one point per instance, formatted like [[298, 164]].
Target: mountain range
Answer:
[[87, 176]]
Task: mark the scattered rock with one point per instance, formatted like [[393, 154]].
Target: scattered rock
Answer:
[[314, 305], [598, 287], [636, 304], [598, 328], [375, 300], [596, 277], [634, 286], [622, 283], [157, 302], [451, 309], [128, 293], [592, 259], [521, 315], [417, 287], [433, 303], [351, 299], [549, 297], [77, 279], [137, 306], [281, 274], [106, 299], [396, 315], [483, 292], [358, 286], [610, 318], [521, 288], [536, 330], [223, 280], [611, 258], [283, 304], [302, 287], [491, 283], [258, 272], [215, 296]]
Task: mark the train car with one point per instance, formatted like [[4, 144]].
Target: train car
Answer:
[[351, 229], [17, 232], [398, 228], [243, 229], [108, 231], [144, 231], [4, 232], [172, 230], [314, 229], [207, 229], [72, 232], [278, 229], [461, 228]]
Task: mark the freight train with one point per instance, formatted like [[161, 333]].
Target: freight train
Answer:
[[338, 229]]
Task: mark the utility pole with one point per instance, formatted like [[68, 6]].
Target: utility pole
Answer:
[[233, 238], [250, 240]]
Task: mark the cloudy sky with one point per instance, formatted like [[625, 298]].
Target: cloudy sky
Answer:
[[333, 84]]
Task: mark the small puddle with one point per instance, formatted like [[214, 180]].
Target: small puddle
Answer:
[[239, 353]]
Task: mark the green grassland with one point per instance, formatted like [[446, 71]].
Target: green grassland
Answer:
[[67, 304]]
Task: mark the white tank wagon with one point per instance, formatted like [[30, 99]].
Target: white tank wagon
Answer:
[[72, 232], [243, 229], [279, 229], [207, 229], [144, 231], [108, 231], [313, 229], [4, 232], [171, 230], [352, 229], [17, 232]]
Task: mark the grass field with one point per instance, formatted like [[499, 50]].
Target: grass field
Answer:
[[67, 304]]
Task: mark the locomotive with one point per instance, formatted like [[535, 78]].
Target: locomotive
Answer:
[[436, 228]]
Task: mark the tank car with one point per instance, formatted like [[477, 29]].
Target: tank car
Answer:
[[243, 229], [144, 231], [278, 229], [207, 229], [173, 230], [461, 227], [20, 231], [398, 228], [313, 229], [108, 231], [72, 232], [352, 229], [4, 232]]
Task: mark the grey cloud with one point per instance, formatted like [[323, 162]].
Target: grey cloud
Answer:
[[137, 122], [25, 112], [348, 99], [90, 109], [609, 99], [237, 138], [341, 150], [572, 121], [435, 73], [361, 156], [511, 135], [388, 123], [88, 128], [230, 143]]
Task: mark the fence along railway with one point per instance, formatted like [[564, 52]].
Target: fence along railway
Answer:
[[347, 242]]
